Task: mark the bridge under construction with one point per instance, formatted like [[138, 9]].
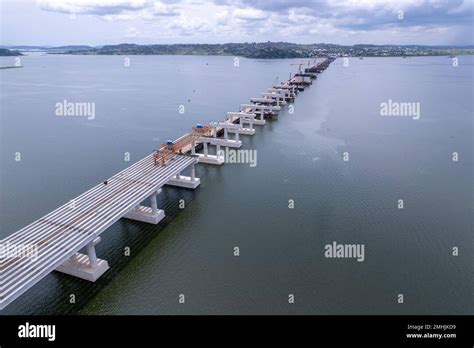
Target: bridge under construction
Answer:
[[55, 241]]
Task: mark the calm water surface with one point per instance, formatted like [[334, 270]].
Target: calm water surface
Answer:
[[407, 251]]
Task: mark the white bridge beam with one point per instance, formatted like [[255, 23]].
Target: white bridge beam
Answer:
[[221, 142], [279, 97], [293, 89], [76, 225], [234, 128], [256, 111], [286, 93], [260, 109], [270, 108], [244, 118]]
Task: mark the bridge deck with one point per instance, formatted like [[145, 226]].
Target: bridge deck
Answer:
[[60, 234]]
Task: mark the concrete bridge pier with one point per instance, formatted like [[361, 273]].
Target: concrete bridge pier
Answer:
[[151, 215], [205, 157], [85, 266], [190, 182], [259, 121]]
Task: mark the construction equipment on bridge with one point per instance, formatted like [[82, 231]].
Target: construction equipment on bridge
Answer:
[[202, 131], [171, 148]]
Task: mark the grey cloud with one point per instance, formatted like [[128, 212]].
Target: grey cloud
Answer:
[[378, 15]]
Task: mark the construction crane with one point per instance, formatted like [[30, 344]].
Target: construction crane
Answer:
[[171, 148]]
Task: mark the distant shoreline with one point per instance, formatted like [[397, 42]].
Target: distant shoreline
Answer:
[[265, 50], [4, 52], [230, 55]]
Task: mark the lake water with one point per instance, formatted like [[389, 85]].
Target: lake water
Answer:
[[408, 251]]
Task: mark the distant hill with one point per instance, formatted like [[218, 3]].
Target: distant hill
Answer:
[[270, 50], [258, 50], [27, 48], [4, 52], [49, 49]]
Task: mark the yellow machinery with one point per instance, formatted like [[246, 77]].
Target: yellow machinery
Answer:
[[167, 151]]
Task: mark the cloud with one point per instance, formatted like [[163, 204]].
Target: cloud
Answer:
[[284, 20], [249, 14], [160, 9], [187, 26], [356, 18], [132, 33], [351, 14], [111, 10], [94, 7], [369, 14], [223, 17]]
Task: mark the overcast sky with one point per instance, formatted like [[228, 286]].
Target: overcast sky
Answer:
[[95, 22]]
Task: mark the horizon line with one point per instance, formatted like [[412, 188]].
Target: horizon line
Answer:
[[227, 43]]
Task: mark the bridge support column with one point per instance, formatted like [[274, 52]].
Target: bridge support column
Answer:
[[154, 204], [217, 159], [193, 173], [87, 267], [151, 215], [92, 255], [185, 181], [260, 121]]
